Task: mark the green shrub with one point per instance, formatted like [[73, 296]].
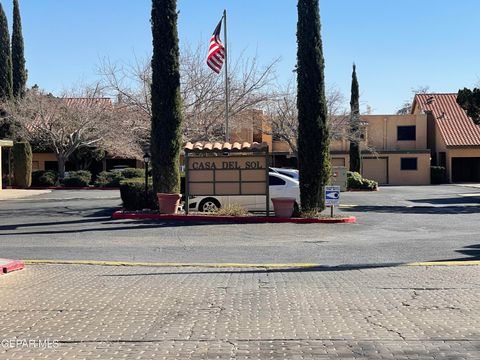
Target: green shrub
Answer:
[[355, 181], [438, 175], [132, 192], [231, 210], [132, 173], [79, 178], [22, 164], [109, 179], [42, 178]]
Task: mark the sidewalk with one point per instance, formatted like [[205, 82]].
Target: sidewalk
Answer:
[[199, 313], [10, 194]]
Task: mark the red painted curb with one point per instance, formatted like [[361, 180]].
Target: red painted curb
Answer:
[[11, 265], [236, 219]]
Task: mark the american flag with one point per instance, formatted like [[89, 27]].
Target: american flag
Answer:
[[216, 53]]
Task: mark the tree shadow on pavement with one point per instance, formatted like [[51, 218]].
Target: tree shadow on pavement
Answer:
[[429, 210], [472, 252], [475, 200], [264, 270], [105, 225]]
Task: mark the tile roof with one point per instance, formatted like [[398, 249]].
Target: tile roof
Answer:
[[107, 102], [456, 128], [202, 146]]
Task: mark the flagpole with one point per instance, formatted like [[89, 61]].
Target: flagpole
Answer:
[[227, 87]]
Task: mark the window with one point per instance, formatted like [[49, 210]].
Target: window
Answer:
[[275, 181], [408, 163], [406, 133]]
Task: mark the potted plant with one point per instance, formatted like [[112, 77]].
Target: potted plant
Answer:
[[283, 206], [168, 203], [167, 119]]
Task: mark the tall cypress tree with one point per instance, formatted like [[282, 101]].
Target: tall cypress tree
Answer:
[[6, 91], [18, 56], [355, 162], [166, 101], [313, 139]]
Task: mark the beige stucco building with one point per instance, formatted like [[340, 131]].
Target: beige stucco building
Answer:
[[48, 161], [452, 137], [394, 149]]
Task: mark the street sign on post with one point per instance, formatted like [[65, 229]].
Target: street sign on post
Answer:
[[332, 197]]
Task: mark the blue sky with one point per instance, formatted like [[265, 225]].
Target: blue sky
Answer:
[[397, 45]]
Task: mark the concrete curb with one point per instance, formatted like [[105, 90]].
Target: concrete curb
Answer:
[[231, 219], [7, 265], [71, 188], [247, 266]]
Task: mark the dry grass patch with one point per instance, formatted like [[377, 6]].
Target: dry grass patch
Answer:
[[231, 210]]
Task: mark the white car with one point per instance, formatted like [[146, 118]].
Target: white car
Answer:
[[291, 173], [279, 186]]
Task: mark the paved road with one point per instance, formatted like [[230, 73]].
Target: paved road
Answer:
[[93, 312], [395, 225]]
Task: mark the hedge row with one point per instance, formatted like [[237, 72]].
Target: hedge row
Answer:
[[79, 178], [355, 181], [83, 178], [132, 192], [41, 178], [438, 175], [22, 164]]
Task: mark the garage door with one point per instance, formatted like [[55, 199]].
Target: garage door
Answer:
[[466, 169], [376, 169]]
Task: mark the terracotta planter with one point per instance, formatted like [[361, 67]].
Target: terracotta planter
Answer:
[[283, 206], [168, 203]]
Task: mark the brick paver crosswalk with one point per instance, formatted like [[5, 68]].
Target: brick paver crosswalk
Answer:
[[99, 312]]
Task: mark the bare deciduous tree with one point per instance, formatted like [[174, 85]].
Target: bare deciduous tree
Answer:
[[282, 115], [407, 105], [203, 92], [73, 121]]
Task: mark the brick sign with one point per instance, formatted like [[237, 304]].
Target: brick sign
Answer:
[[227, 175]]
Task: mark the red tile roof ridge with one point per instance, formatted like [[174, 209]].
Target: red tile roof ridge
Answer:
[[225, 146], [455, 127]]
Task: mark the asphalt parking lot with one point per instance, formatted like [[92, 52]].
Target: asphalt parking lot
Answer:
[[345, 308], [394, 225]]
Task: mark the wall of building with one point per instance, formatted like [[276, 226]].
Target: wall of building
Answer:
[[382, 132], [374, 170], [421, 176], [39, 159], [280, 147]]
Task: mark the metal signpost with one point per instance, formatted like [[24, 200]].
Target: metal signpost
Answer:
[[332, 197]]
